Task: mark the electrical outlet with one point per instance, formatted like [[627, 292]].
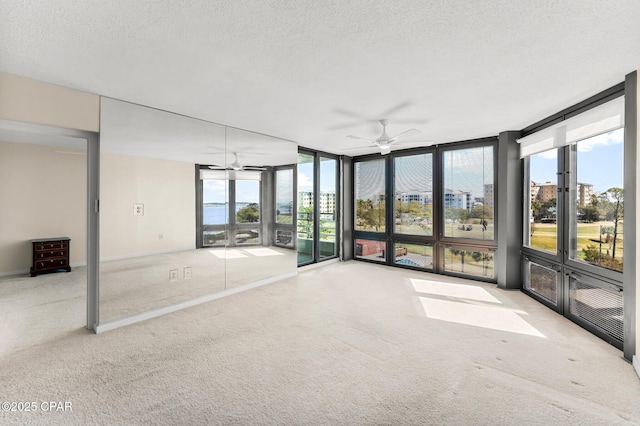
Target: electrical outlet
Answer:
[[138, 209], [186, 273], [173, 275]]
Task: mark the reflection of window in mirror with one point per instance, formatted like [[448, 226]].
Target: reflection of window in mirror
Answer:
[[247, 201]]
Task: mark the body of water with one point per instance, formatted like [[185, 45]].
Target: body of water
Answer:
[[217, 214]]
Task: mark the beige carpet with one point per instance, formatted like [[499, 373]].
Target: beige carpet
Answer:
[[349, 343]]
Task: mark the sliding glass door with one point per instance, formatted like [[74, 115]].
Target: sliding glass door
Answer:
[[306, 203], [317, 208]]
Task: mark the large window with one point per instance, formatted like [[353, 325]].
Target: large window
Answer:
[[468, 193], [284, 227], [284, 196], [541, 202], [247, 201], [441, 215], [215, 211], [413, 194], [231, 208], [597, 208], [306, 203], [327, 207], [574, 216], [370, 195]]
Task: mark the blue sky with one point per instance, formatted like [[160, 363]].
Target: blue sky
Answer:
[[215, 191], [599, 162], [327, 176]]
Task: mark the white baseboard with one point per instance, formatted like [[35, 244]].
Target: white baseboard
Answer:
[[132, 319], [636, 364]]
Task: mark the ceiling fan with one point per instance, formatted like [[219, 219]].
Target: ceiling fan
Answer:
[[236, 166], [384, 141]]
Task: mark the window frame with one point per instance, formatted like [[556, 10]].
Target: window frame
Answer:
[[285, 227], [436, 240], [560, 206], [230, 227], [317, 155]]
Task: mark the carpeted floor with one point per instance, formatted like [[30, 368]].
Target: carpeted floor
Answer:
[[349, 343]]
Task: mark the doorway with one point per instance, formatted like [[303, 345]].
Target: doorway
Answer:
[[44, 185]]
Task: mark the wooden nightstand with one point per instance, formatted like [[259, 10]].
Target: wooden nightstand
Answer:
[[50, 255]]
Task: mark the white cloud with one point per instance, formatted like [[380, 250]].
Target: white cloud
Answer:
[[214, 190], [608, 139], [304, 182], [552, 154]]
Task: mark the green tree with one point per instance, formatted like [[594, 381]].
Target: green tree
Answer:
[[249, 213], [460, 253], [481, 212], [455, 213], [593, 255], [370, 215], [305, 220], [616, 198], [483, 257], [589, 213], [536, 209]]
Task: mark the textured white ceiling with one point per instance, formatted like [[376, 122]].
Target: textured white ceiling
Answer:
[[316, 71]]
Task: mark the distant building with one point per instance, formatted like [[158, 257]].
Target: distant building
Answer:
[[547, 191], [327, 201], [585, 191], [305, 199], [457, 199], [534, 191], [423, 197], [488, 196]]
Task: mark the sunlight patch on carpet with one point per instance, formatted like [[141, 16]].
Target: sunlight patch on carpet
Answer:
[[495, 318], [462, 291]]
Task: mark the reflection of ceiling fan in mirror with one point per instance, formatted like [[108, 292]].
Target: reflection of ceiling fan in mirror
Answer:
[[384, 141], [236, 165]]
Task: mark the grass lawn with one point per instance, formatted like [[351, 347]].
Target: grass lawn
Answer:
[[544, 237]]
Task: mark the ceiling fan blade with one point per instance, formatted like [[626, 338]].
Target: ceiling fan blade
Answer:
[[394, 109], [412, 143], [254, 168], [344, 125], [357, 147], [394, 138], [359, 138]]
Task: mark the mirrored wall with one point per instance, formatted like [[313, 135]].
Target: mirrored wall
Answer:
[[187, 209]]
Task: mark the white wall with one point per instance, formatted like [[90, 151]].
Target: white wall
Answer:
[[31, 101], [167, 190], [42, 194]]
